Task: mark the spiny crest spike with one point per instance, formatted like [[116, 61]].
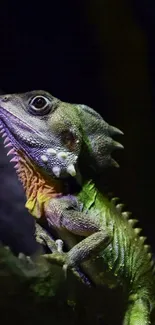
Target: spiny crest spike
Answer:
[[4, 135], [114, 131], [132, 222], [114, 200], [142, 239], [8, 145], [152, 263], [120, 207], [137, 231], [11, 152], [16, 166], [6, 140], [14, 159], [149, 256], [117, 145], [114, 163], [147, 248], [126, 214]]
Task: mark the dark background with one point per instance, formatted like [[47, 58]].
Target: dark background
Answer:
[[100, 53]]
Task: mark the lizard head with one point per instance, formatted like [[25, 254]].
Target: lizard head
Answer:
[[42, 128], [53, 134]]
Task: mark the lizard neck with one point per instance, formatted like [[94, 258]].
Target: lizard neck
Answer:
[[39, 187]]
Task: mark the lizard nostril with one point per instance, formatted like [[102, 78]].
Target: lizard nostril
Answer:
[[5, 98]]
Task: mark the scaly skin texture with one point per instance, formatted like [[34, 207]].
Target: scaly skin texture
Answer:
[[47, 138], [97, 234], [111, 253]]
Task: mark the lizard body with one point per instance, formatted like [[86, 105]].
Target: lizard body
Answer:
[[47, 138], [112, 252], [98, 235]]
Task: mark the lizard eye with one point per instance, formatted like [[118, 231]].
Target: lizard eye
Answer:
[[39, 105]]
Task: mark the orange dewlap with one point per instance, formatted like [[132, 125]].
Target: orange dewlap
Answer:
[[39, 188]]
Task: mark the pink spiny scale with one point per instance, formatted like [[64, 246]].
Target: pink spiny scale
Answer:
[[2, 130], [6, 140], [14, 159], [11, 152], [16, 166], [4, 135], [8, 145]]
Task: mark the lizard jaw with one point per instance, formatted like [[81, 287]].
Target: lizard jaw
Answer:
[[8, 144], [45, 157]]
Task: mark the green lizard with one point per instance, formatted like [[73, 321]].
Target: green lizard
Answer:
[[48, 137]]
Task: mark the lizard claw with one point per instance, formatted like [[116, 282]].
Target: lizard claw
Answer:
[[59, 244]]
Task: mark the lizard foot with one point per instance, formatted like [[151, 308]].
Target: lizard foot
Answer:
[[63, 258]]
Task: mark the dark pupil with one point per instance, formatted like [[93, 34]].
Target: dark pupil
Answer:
[[39, 102]]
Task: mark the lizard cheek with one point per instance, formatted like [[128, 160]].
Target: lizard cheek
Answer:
[[70, 140]]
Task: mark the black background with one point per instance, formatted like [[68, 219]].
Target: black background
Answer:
[[100, 53]]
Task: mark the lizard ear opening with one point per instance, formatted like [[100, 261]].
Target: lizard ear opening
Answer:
[[98, 143]]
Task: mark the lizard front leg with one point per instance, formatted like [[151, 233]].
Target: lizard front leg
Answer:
[[43, 238], [62, 214]]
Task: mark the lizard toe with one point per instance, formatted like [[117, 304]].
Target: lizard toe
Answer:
[[59, 244]]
